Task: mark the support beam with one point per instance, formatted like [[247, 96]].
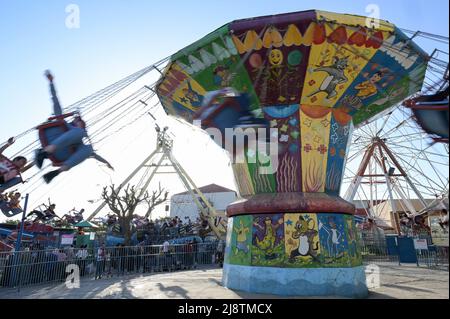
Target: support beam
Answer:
[[353, 188], [400, 168], [125, 181]]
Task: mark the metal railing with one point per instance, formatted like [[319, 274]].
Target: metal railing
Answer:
[[435, 257], [33, 267], [377, 251]]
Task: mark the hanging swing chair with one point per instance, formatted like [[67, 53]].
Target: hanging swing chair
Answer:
[[5, 168], [431, 113], [51, 130]]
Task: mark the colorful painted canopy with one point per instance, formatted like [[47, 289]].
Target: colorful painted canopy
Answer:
[[313, 57], [313, 74]]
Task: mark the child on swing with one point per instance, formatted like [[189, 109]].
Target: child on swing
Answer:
[[73, 137], [12, 207], [10, 170]]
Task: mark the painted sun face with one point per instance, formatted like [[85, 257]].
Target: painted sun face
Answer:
[[276, 57]]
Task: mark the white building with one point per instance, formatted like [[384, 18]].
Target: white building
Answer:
[[183, 205]]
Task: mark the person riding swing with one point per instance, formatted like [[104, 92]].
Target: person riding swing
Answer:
[[10, 170], [71, 138]]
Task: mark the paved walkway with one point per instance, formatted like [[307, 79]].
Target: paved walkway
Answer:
[[396, 282]]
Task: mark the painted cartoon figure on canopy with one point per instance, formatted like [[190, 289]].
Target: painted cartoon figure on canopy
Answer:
[[241, 237], [10, 169], [222, 76], [369, 88], [335, 76], [306, 234], [72, 137], [333, 237], [192, 96], [267, 243]]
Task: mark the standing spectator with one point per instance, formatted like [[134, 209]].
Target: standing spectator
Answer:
[[219, 252], [62, 258], [166, 253], [165, 247], [51, 263], [108, 263], [70, 252], [100, 266], [194, 252], [81, 256], [189, 253]]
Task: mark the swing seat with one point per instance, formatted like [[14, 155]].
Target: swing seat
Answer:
[[431, 113], [4, 164], [221, 116], [9, 211], [49, 131], [230, 113]]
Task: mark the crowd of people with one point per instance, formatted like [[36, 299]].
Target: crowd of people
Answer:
[[175, 227], [35, 264], [158, 230]]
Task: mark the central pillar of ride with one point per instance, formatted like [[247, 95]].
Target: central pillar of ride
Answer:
[[292, 234], [280, 251]]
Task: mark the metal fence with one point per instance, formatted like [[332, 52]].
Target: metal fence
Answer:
[[434, 257], [33, 267], [377, 251]]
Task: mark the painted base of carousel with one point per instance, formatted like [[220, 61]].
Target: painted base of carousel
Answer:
[[344, 282]]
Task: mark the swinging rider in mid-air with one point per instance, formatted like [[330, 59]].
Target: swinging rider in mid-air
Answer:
[[10, 170], [72, 137]]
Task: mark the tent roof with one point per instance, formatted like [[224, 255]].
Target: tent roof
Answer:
[[86, 224]]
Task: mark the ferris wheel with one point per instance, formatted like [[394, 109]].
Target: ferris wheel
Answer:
[[393, 161]]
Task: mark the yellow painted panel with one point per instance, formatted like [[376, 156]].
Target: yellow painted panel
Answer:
[[315, 140], [301, 238], [352, 20], [334, 64], [243, 179], [188, 91]]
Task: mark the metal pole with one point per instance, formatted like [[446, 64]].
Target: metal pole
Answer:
[[19, 236], [19, 242], [400, 168]]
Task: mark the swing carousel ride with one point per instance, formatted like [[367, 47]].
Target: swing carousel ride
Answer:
[[361, 116]]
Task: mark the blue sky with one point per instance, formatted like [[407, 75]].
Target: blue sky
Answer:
[[117, 38]]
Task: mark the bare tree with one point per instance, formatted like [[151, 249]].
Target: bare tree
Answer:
[[124, 205], [157, 198]]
